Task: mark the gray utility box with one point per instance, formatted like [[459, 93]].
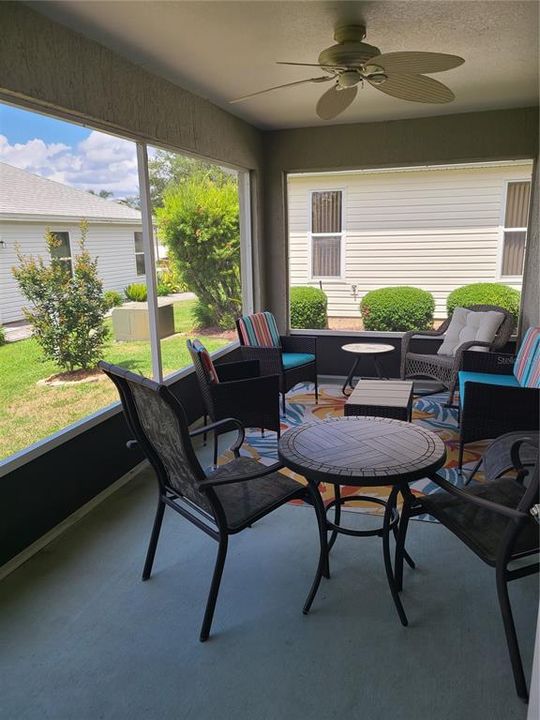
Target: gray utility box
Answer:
[[130, 321]]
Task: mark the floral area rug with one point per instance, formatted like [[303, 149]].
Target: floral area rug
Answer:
[[429, 412]]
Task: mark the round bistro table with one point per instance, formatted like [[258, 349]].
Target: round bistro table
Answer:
[[363, 452], [360, 349]]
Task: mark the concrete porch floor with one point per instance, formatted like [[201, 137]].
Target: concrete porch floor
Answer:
[[83, 638]]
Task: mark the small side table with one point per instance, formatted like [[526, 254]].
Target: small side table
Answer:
[[381, 398], [360, 349]]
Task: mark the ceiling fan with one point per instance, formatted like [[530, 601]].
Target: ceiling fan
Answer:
[[351, 62]]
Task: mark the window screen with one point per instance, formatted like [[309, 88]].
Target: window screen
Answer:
[[63, 250], [515, 228], [326, 232], [139, 253]]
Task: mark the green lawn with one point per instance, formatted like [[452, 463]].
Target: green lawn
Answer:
[[30, 412]]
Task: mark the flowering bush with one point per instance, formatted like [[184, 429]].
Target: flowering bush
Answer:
[[67, 304]]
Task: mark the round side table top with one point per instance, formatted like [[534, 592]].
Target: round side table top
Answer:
[[367, 348], [362, 451]]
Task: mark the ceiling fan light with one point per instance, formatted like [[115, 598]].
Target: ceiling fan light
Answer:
[[378, 78], [348, 79]]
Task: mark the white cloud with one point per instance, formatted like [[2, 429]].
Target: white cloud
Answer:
[[99, 162]]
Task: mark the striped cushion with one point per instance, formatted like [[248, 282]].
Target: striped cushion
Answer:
[[259, 330], [206, 360], [527, 365]]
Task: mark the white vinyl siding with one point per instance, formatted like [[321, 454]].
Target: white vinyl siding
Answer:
[[111, 243], [435, 229]]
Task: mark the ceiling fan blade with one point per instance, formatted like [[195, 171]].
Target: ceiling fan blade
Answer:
[[334, 101], [416, 63], [324, 78], [417, 88], [281, 62]]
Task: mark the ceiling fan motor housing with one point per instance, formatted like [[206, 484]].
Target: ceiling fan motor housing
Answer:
[[350, 51]]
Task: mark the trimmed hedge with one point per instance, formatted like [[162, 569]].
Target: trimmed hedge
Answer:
[[397, 309], [308, 308], [485, 294]]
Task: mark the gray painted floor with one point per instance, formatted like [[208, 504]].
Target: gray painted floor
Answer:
[[82, 638]]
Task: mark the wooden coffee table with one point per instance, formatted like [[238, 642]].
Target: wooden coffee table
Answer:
[[363, 452], [360, 349], [382, 398]]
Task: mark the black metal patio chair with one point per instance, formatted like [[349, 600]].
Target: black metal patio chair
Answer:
[[223, 502], [495, 520], [236, 389]]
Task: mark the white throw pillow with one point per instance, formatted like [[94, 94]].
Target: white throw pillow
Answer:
[[467, 325]]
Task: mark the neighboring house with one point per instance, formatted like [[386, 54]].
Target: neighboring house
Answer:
[[434, 228], [30, 205]]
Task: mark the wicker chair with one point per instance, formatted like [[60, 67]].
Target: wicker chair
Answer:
[[292, 357], [237, 390], [445, 368], [221, 503], [495, 520]]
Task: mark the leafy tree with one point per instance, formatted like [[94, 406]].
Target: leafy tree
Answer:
[[68, 308], [166, 169], [105, 194], [199, 222]]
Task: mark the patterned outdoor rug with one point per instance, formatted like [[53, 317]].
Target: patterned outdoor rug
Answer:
[[429, 412]]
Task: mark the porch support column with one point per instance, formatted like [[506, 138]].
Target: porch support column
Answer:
[[149, 261]]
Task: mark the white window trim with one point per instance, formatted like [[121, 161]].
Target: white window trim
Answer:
[[342, 236], [503, 229]]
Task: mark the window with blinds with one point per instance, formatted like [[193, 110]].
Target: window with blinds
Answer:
[[139, 253], [326, 234], [515, 228]]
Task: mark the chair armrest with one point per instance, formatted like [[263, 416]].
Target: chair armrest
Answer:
[[406, 341], [270, 362], [481, 502], [466, 347], [495, 363], [299, 344], [267, 470], [225, 425], [238, 370]]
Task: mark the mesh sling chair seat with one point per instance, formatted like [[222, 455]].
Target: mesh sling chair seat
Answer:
[[236, 389], [445, 368], [494, 520], [222, 502], [292, 357]]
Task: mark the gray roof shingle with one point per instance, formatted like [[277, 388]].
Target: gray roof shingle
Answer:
[[22, 193]]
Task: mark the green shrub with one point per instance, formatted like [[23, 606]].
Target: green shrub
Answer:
[[68, 306], [397, 309], [199, 223], [2, 336], [485, 294], [308, 307], [163, 289], [136, 292], [112, 299]]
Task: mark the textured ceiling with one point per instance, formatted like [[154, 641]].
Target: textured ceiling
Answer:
[[221, 50]]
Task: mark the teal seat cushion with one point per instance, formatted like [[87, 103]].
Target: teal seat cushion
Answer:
[[292, 360], [486, 378]]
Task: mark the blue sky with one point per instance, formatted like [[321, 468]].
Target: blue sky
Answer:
[[68, 153]]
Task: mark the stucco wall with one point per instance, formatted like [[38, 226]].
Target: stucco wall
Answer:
[[46, 66], [483, 136]]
